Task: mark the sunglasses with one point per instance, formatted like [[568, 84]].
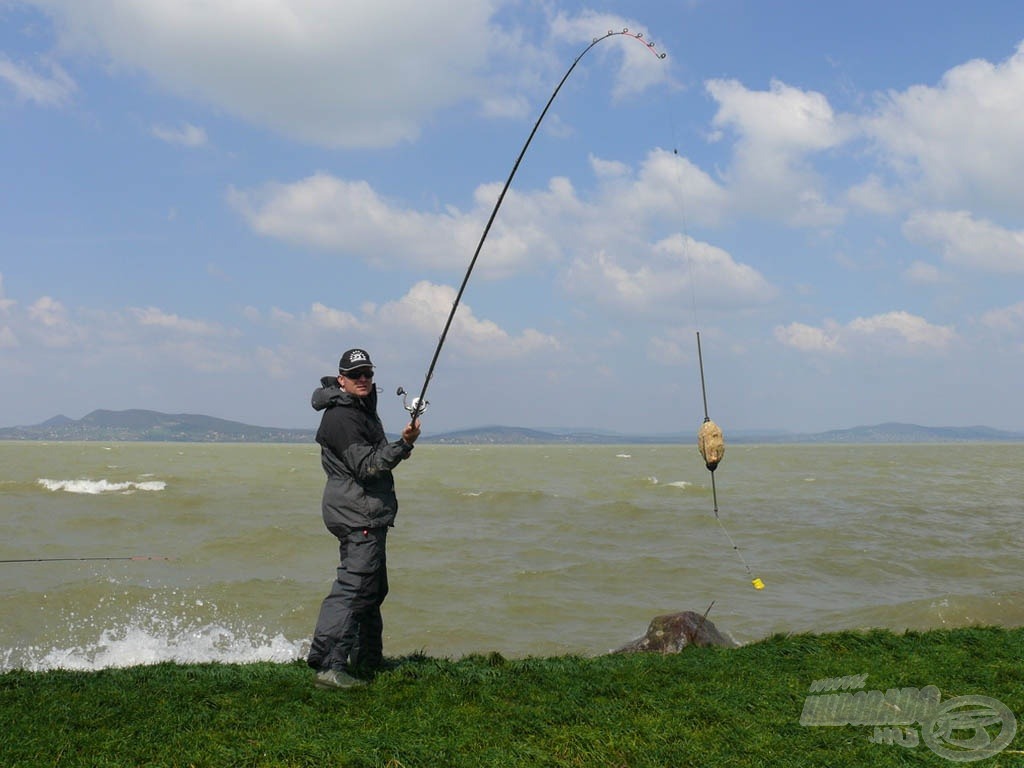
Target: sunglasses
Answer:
[[362, 373]]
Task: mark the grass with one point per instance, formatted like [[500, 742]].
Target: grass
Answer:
[[702, 707]]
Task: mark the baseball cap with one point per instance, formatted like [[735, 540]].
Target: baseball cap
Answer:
[[354, 358]]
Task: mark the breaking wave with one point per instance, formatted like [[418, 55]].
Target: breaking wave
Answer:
[[95, 487]]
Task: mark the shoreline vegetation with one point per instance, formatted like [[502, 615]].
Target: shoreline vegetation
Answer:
[[745, 706], [153, 426]]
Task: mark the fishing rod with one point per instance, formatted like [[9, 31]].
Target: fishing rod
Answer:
[[83, 559], [419, 404]]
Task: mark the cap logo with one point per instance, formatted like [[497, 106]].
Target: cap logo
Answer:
[[357, 356]]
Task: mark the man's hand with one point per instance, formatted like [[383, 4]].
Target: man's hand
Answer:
[[411, 432]]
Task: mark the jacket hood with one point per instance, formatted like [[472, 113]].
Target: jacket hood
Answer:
[[330, 394]]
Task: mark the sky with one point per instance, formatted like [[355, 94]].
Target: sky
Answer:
[[203, 204]]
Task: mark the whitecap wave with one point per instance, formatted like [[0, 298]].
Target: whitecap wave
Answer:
[[139, 646], [101, 486]]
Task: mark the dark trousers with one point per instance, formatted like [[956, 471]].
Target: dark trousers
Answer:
[[349, 630]]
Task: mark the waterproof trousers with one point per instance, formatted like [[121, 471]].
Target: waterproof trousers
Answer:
[[349, 630]]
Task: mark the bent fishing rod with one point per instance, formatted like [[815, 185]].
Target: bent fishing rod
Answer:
[[419, 404]]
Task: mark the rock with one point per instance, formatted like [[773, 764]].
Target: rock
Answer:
[[674, 631]]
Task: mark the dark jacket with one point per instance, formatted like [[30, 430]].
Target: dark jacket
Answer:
[[358, 459]]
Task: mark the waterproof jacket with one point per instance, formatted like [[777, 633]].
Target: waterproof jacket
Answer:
[[358, 459]]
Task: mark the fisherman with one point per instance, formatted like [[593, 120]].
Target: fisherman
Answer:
[[359, 505]]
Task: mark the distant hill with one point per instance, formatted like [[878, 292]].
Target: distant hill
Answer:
[[142, 425], [894, 432], [880, 433]]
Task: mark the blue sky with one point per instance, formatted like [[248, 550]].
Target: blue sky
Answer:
[[204, 204]]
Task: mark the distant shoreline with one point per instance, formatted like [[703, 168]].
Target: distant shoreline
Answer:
[[153, 426]]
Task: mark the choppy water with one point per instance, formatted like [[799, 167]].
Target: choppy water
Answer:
[[526, 550]]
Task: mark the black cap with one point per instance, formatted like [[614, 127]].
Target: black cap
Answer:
[[353, 359]]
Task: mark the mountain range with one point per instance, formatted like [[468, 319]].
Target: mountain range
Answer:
[[143, 425]]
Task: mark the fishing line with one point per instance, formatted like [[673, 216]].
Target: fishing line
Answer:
[[710, 441], [83, 559], [419, 404]]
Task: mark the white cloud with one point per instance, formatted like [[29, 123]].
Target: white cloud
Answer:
[[608, 168], [874, 196], [5, 303], [48, 312], [325, 318], [922, 273], [51, 323], [1008, 319], [8, 339], [913, 330], [777, 132], [425, 308], [896, 332], [642, 66], [667, 187], [534, 227], [967, 241], [350, 217], [52, 89], [157, 318], [354, 74], [958, 142], [187, 135], [672, 274], [808, 338]]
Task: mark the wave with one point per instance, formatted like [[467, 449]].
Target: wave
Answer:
[[136, 645], [98, 627], [95, 487]]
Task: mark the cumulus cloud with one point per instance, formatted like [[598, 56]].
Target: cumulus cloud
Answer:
[[677, 271], [967, 241], [426, 306], [350, 217], [667, 187], [958, 141], [50, 323], [778, 131], [914, 330], [356, 74], [896, 331], [48, 312], [326, 318], [535, 227], [807, 338], [875, 196], [157, 318], [298, 66]]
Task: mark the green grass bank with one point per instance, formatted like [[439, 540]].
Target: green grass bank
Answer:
[[702, 707]]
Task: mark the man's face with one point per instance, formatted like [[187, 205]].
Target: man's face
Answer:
[[358, 382]]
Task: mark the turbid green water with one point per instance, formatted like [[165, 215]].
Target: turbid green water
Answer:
[[525, 550]]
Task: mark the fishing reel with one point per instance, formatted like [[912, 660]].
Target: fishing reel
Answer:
[[416, 407]]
